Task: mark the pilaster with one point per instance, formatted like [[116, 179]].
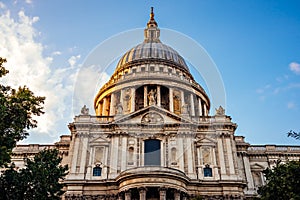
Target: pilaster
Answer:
[[83, 153]]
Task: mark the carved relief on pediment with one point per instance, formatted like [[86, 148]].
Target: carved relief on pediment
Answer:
[[152, 118]]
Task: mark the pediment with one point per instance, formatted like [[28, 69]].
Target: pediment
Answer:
[[257, 166], [99, 140], [206, 141], [151, 115]]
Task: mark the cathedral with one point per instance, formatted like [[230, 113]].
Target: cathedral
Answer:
[[153, 138]]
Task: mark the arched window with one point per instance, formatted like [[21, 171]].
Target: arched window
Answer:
[[97, 171], [152, 152], [207, 171]]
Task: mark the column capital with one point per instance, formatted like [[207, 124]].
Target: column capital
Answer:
[[162, 189], [142, 189]]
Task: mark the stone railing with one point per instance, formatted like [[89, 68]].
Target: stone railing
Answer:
[[273, 148]]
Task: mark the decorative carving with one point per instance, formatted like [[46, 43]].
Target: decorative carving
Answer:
[[184, 109], [152, 97], [152, 118], [119, 109], [206, 155], [176, 101], [126, 100], [220, 111], [84, 110]]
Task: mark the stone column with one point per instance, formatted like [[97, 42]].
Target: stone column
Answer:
[[112, 109], [158, 95], [162, 193], [182, 98], [120, 196], [142, 192], [171, 100], [177, 195], [205, 111], [121, 99], [128, 195], [145, 96], [192, 107], [132, 103], [200, 106], [104, 108]]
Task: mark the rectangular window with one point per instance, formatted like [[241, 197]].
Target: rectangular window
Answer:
[[97, 171], [207, 172], [152, 152]]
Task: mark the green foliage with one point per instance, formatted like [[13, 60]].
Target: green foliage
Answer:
[[17, 108], [38, 180], [283, 182], [294, 134]]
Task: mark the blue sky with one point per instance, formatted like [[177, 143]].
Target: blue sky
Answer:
[[254, 44]]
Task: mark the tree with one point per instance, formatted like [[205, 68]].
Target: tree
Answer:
[[40, 179], [294, 134], [17, 108], [283, 182]]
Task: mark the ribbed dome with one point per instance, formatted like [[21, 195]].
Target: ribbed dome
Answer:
[[152, 50]]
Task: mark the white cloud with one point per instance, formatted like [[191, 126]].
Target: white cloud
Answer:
[[72, 61], [28, 1], [291, 105], [295, 67], [56, 53], [2, 5], [29, 66], [87, 83]]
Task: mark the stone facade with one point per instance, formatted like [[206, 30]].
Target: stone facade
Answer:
[[153, 138]]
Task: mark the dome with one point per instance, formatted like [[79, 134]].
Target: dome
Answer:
[[150, 51], [151, 74]]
